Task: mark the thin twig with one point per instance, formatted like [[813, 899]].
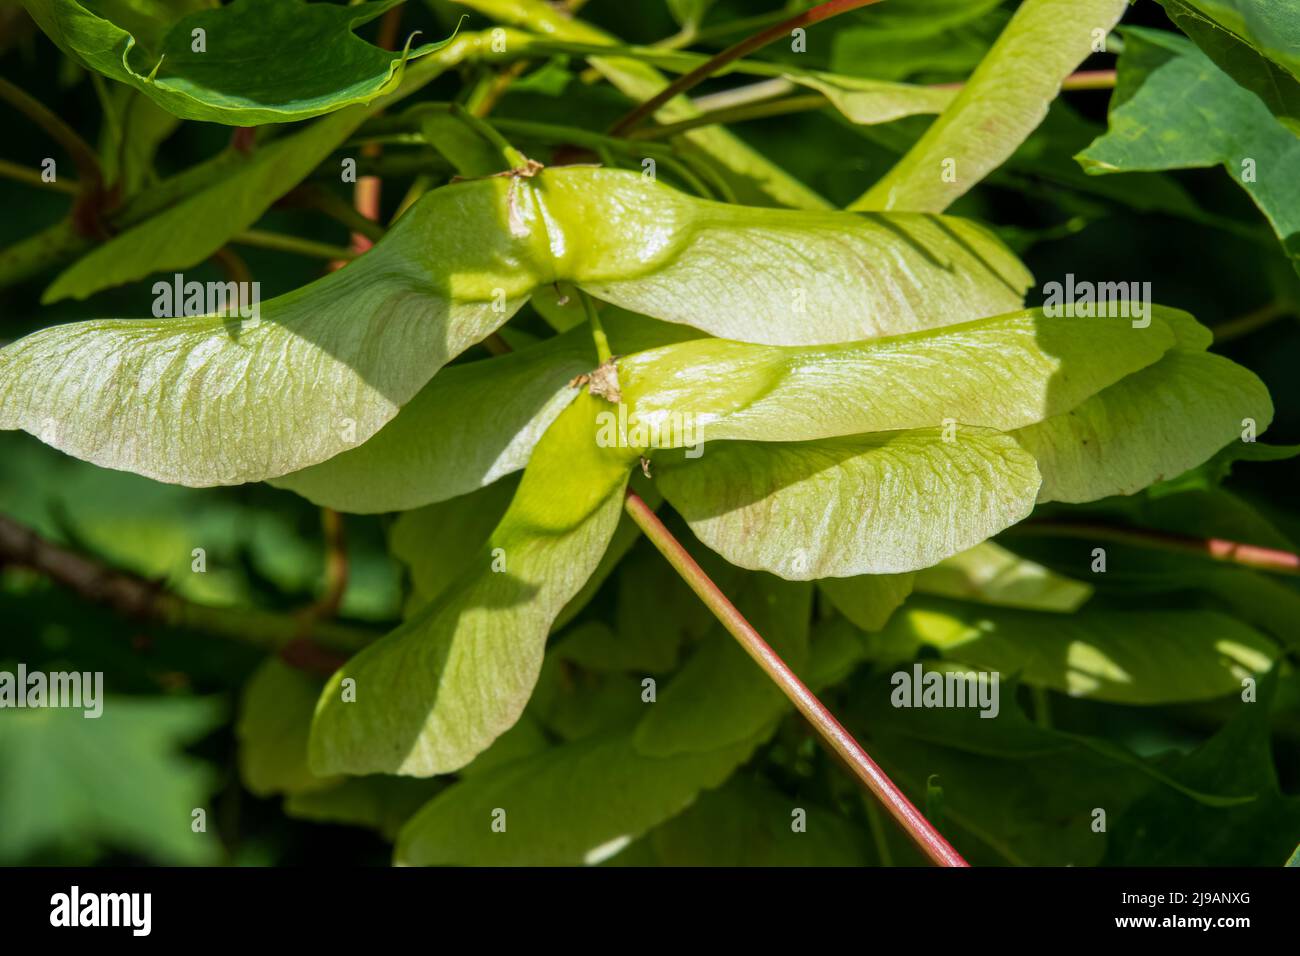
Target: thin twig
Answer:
[[89, 208], [281, 242], [312, 196], [762, 91], [761, 39], [366, 194], [765, 109], [232, 265], [1082, 80], [302, 652], [732, 28], [496, 345], [598, 336], [751, 105], [1253, 321], [83, 156], [1090, 80], [25, 174], [928, 839], [1215, 549], [67, 239], [336, 563], [497, 87], [134, 597]]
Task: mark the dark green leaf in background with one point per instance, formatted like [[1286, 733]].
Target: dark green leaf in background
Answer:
[[261, 61], [117, 781], [1256, 42], [1174, 109]]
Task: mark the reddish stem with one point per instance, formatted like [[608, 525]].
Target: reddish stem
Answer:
[[243, 138], [928, 839], [336, 562], [761, 39], [367, 193], [1217, 549], [1079, 80]]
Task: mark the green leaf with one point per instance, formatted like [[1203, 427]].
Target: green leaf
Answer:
[[258, 61], [1214, 471], [1165, 828], [461, 143], [434, 541], [577, 803], [648, 647], [1174, 109], [130, 139], [749, 824], [1264, 25], [574, 704], [1209, 513], [655, 614], [185, 400], [689, 13], [626, 533], [1257, 598], [990, 574], [999, 773], [875, 101], [385, 803], [467, 662], [720, 697], [150, 529], [586, 800], [378, 802], [1158, 422], [1266, 601], [1003, 372], [274, 720], [934, 800], [902, 18], [241, 188], [1256, 42], [752, 177], [522, 740], [1000, 105], [118, 781], [868, 600], [773, 276], [881, 503], [594, 645], [186, 234], [917, 37], [1142, 657], [472, 424], [837, 649], [1047, 156]]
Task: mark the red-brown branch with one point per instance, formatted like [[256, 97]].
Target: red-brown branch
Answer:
[[687, 81]]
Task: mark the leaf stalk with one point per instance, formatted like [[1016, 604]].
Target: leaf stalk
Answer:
[[930, 841], [598, 335], [1272, 560]]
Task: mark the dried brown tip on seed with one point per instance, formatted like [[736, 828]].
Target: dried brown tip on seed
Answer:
[[645, 467], [528, 170], [603, 381]]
